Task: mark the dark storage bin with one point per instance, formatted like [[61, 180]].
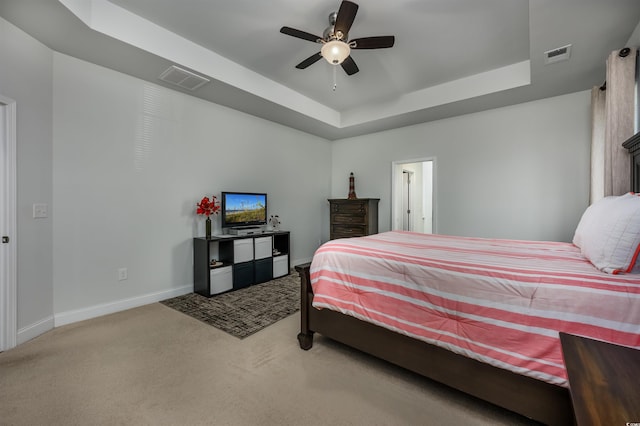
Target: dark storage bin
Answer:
[[242, 275], [264, 270]]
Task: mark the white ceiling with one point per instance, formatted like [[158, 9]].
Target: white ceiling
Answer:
[[450, 57]]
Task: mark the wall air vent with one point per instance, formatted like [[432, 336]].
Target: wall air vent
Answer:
[[556, 55], [183, 78]]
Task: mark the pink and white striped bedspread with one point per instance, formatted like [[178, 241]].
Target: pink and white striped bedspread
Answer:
[[502, 302]]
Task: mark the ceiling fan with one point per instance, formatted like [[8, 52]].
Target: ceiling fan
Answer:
[[336, 46]]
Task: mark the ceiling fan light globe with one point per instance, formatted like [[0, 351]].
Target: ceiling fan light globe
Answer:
[[335, 51]]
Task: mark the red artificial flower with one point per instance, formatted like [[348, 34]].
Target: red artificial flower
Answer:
[[208, 207]]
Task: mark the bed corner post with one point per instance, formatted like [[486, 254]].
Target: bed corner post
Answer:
[[633, 146], [305, 337]]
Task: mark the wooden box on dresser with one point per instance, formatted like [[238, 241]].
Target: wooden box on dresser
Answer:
[[353, 218]]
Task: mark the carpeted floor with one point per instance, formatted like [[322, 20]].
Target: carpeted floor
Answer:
[[244, 312], [153, 365]]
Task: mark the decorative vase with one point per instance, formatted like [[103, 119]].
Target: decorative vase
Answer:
[[208, 227]]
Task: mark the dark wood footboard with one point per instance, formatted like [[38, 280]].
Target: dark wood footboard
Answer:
[[532, 398], [305, 337]]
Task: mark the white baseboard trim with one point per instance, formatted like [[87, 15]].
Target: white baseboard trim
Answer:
[[34, 330], [69, 317]]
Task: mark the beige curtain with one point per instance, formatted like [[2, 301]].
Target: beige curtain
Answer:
[[619, 122]]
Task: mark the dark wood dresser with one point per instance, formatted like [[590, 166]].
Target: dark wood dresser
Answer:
[[353, 218]]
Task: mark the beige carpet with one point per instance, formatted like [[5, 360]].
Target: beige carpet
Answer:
[[155, 366]]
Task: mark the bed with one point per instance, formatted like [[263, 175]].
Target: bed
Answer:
[[527, 379]]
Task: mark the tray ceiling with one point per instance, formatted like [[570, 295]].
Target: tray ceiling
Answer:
[[450, 57]]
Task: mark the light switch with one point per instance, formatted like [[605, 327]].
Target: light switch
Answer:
[[39, 211]]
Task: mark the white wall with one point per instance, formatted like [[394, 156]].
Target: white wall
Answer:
[[517, 172], [130, 161], [25, 76]]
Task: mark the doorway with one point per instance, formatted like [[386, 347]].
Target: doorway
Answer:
[[8, 227], [407, 199], [413, 196]]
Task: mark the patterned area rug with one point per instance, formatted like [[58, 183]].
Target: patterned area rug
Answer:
[[244, 312]]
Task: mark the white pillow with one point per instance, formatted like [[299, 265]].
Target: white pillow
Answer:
[[592, 215], [611, 237]]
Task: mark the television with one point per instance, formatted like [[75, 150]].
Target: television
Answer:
[[243, 209]]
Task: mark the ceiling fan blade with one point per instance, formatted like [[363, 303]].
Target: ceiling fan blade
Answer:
[[346, 15], [349, 66], [300, 34], [309, 61], [380, 42]]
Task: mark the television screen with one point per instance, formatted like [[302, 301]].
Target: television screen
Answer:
[[243, 209]]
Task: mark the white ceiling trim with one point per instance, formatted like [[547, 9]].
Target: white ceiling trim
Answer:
[[496, 80], [114, 21]]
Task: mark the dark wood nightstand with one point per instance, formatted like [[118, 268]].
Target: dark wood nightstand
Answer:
[[604, 381]]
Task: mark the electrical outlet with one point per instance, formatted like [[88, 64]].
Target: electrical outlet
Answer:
[[122, 274], [39, 211]]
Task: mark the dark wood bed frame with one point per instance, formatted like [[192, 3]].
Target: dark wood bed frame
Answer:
[[541, 401]]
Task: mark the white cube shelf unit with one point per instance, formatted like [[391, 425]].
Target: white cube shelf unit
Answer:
[[240, 261]]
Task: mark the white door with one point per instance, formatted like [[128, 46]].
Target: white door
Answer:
[[407, 179], [8, 252]]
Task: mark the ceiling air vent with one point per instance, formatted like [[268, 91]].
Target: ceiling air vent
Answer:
[[183, 78], [556, 55]]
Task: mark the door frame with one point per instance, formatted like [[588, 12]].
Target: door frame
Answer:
[[8, 197], [396, 195]]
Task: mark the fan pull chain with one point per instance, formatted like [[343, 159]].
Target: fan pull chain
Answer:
[[334, 78]]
